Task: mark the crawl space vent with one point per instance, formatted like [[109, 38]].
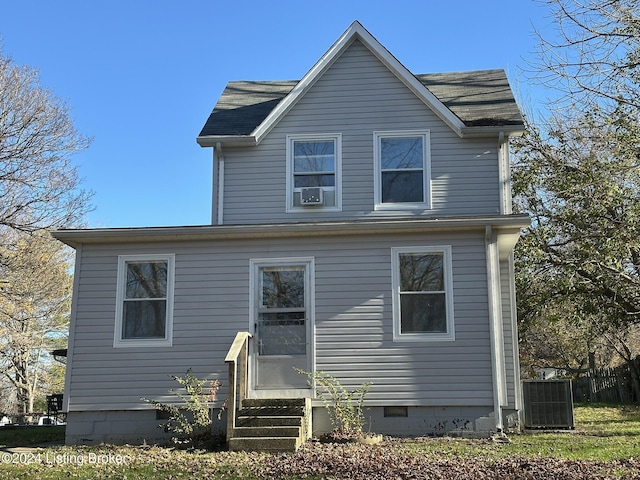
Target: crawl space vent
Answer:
[[548, 404]]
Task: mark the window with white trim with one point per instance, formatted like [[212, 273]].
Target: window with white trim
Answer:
[[422, 293], [314, 172], [402, 170], [144, 310]]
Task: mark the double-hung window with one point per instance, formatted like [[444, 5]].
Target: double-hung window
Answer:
[[422, 293], [402, 170], [144, 310], [313, 172]]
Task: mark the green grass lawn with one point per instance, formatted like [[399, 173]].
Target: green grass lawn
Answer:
[[23, 436], [602, 433], [605, 444]]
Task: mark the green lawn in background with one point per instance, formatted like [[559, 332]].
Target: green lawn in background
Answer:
[[602, 432], [20, 436]]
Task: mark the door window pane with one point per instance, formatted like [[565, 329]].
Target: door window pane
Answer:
[[282, 313], [282, 288], [282, 333]]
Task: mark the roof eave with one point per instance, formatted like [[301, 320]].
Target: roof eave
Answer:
[[227, 140], [491, 130], [74, 238]]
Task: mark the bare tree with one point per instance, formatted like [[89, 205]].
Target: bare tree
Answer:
[[34, 306], [39, 186], [595, 55]]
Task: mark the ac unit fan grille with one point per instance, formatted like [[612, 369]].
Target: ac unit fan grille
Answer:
[[548, 404]]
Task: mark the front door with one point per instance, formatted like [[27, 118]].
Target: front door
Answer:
[[282, 329]]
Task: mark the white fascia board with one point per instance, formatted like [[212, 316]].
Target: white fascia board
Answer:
[[486, 131], [510, 224], [356, 30], [226, 140]]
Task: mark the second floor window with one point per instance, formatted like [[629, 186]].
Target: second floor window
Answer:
[[402, 167], [313, 164]]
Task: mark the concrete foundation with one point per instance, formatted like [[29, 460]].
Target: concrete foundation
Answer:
[[420, 421], [136, 427]]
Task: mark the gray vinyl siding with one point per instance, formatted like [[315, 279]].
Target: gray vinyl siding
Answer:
[[357, 96], [353, 321]]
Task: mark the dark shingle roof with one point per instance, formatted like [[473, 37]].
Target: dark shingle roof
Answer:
[[244, 105], [478, 98]]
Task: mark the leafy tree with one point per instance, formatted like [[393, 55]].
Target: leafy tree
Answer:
[[576, 173], [39, 186], [580, 259], [34, 306]]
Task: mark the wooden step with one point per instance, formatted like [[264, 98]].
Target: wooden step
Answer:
[[271, 411], [269, 421], [274, 402], [273, 425], [267, 431], [265, 444]]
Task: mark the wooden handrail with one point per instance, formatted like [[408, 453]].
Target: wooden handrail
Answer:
[[238, 373]]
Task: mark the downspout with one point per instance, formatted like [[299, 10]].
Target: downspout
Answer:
[[214, 190], [519, 403], [504, 178], [220, 202], [495, 327], [67, 404], [504, 169]]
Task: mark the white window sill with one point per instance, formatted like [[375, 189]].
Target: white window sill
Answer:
[[400, 207], [424, 337], [146, 343]]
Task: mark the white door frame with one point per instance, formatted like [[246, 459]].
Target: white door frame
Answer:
[[254, 284]]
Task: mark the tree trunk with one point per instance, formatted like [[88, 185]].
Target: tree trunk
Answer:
[[634, 373]]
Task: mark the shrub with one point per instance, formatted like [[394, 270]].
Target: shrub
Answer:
[[346, 408], [191, 421]]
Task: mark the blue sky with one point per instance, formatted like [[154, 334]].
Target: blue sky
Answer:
[[141, 77]]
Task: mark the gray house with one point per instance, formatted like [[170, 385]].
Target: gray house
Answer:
[[361, 226]]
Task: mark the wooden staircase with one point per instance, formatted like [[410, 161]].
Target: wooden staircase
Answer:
[[272, 425]]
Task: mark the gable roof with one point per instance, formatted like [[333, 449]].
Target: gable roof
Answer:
[[469, 102]]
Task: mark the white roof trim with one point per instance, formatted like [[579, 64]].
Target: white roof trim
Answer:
[[356, 30], [508, 225]]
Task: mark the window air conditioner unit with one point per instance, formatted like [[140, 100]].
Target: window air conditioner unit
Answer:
[[548, 404], [311, 196]]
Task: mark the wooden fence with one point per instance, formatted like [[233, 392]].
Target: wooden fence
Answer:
[[609, 385]]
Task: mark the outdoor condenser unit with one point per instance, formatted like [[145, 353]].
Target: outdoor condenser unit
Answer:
[[548, 404]]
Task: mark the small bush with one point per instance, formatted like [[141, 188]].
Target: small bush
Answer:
[[192, 420], [346, 408]]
